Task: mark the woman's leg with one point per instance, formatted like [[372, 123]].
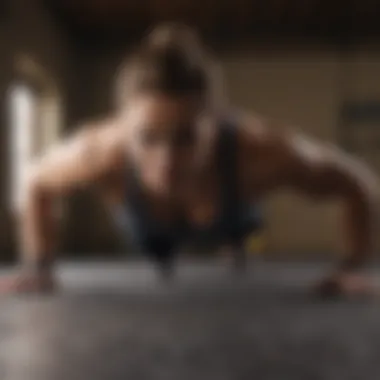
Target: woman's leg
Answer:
[[163, 252], [237, 245]]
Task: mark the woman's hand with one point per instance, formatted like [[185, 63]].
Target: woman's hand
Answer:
[[347, 284], [28, 283]]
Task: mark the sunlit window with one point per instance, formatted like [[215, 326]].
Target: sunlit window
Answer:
[[23, 120]]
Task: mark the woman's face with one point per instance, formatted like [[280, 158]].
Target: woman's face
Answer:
[[167, 140]]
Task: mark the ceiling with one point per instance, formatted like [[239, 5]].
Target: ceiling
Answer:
[[223, 19]]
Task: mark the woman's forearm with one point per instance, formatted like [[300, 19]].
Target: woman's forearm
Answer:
[[37, 228], [360, 223]]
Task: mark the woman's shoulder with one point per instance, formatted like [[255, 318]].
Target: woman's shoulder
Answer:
[[258, 132], [106, 138]]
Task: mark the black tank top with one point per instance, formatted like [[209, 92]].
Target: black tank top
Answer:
[[233, 220]]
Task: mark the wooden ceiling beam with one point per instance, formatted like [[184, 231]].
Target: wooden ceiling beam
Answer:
[[239, 16]]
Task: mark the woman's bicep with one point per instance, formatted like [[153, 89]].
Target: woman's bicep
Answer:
[[319, 169], [287, 159]]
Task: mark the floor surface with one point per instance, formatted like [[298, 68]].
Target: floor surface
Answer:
[[117, 321]]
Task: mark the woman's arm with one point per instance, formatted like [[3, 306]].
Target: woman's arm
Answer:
[[78, 161], [323, 172]]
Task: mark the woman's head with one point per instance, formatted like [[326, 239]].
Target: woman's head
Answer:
[[170, 61], [169, 89]]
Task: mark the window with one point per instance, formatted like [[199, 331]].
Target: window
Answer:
[[23, 120], [35, 124]]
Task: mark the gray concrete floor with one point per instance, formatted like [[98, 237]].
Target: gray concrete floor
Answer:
[[116, 321]]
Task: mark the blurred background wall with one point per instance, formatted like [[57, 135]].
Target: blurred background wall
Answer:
[[297, 61], [33, 51]]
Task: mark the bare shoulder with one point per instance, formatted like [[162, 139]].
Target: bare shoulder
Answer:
[[101, 142], [86, 156], [104, 137], [272, 139], [261, 137], [272, 152]]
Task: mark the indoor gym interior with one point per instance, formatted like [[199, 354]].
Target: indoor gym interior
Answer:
[[315, 64]]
